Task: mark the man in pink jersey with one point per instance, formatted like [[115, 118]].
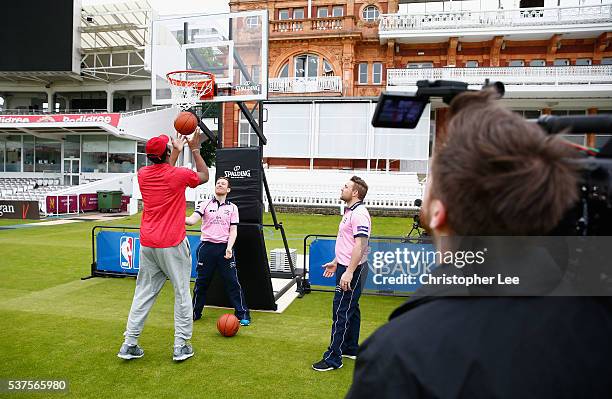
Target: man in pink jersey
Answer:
[[351, 269], [164, 249], [216, 251]]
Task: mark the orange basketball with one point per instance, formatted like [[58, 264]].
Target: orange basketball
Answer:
[[228, 325], [185, 123]]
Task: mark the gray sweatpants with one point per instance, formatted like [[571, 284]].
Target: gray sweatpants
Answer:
[[155, 265]]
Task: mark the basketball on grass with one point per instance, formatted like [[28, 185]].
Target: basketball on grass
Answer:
[[185, 123], [228, 325]]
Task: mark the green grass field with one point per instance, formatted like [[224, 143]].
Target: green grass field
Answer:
[[54, 325]]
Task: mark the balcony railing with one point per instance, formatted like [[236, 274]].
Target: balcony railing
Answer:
[[55, 112], [451, 20], [319, 84], [556, 75], [311, 25]]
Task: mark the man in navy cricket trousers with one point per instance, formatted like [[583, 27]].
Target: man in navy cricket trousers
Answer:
[[219, 231], [351, 269]]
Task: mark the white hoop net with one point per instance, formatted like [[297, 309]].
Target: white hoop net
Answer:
[[189, 87]]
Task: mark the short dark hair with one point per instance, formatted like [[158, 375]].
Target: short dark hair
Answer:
[[229, 183], [157, 160], [498, 174], [360, 186]]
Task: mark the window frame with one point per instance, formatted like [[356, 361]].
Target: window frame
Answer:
[[515, 61], [365, 12], [420, 65], [280, 13], [380, 73], [284, 68], [537, 61], [298, 9], [334, 8], [323, 8], [249, 134], [586, 61], [360, 73], [249, 21]]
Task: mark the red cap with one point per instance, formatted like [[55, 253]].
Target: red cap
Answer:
[[157, 145]]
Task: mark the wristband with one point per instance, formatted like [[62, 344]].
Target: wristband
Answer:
[[195, 149]]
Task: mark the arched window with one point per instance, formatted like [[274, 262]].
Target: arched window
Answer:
[[370, 13], [328, 70], [284, 71], [307, 66]]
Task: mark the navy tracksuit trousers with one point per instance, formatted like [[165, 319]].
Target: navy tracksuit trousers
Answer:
[[346, 317], [211, 257]]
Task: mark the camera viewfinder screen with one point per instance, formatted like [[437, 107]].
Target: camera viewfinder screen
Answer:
[[399, 112]]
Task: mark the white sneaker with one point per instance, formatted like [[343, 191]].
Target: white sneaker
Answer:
[[129, 352], [182, 352]]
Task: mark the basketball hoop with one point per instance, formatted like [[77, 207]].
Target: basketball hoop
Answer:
[[189, 86]]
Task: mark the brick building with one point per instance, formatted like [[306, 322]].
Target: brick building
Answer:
[[554, 57]]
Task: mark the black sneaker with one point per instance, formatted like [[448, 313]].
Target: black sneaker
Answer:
[[350, 356], [323, 366]]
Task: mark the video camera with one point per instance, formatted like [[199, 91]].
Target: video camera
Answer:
[[592, 215]]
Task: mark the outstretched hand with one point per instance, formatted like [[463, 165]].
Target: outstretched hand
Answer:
[[194, 140], [330, 269], [179, 142]]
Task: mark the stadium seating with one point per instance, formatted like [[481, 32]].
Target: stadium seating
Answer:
[[29, 189], [321, 188]]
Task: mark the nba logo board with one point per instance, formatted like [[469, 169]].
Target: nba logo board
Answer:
[[233, 47], [129, 252]]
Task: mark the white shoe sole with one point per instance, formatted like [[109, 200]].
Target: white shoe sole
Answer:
[[327, 369], [129, 357], [350, 357], [182, 357]]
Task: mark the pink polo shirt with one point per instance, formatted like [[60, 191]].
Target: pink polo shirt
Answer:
[[356, 222], [217, 219]]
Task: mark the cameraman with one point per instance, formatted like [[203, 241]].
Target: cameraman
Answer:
[[497, 174]]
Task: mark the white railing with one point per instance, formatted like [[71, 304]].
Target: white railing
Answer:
[[321, 188], [327, 195], [332, 84], [145, 110], [586, 14], [555, 75], [311, 25]]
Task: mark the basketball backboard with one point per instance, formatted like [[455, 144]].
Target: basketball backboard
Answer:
[[233, 46]]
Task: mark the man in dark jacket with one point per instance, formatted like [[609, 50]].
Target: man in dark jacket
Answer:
[[496, 175]]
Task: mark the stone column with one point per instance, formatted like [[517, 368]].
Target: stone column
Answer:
[[348, 66], [50, 100], [109, 100]]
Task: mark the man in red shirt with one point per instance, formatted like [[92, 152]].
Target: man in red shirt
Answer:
[[164, 249]]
